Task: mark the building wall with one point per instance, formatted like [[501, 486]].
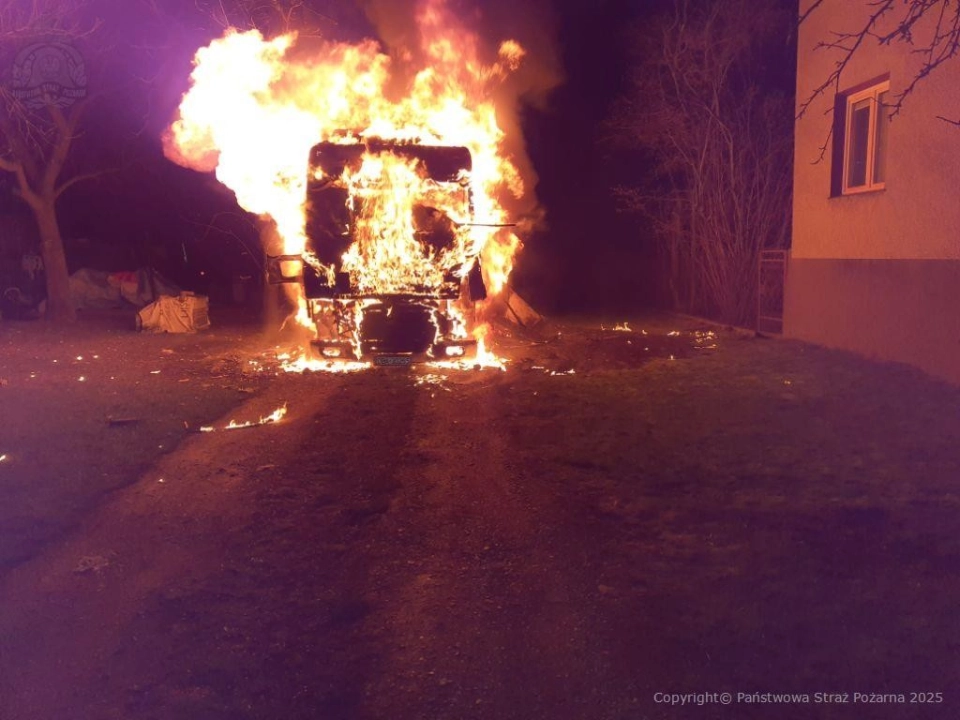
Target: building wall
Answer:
[[878, 272]]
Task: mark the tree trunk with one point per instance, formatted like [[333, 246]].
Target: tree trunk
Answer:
[[59, 304], [674, 264]]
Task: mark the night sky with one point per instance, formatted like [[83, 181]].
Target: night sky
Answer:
[[591, 256]]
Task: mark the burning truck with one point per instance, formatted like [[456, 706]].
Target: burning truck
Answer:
[[391, 265], [383, 173]]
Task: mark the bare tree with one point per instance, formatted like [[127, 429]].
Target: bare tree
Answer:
[[43, 99], [271, 17], [699, 111], [41, 105], [887, 22]]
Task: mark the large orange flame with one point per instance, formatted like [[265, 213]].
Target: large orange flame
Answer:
[[256, 107]]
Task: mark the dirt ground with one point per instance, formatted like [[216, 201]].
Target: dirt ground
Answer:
[[619, 519]]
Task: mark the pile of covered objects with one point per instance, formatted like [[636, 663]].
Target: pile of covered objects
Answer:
[[164, 307]]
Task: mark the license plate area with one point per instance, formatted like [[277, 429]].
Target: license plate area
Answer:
[[393, 360]]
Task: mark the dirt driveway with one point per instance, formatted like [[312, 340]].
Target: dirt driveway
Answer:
[[617, 522]]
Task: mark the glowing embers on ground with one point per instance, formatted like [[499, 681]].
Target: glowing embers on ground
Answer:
[[434, 379], [274, 417], [620, 327], [303, 363], [553, 373], [705, 340]]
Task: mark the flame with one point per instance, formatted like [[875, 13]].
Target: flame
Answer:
[[483, 359], [257, 106], [703, 337], [386, 256], [302, 364], [620, 327], [433, 379], [274, 417]]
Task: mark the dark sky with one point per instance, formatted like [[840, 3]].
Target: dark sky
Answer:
[[592, 255]]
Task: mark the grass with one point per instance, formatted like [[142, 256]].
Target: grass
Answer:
[[61, 388], [809, 494]]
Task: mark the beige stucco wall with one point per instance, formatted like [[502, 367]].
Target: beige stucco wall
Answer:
[[902, 310], [917, 216]]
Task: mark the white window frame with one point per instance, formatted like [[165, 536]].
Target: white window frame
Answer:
[[871, 93]]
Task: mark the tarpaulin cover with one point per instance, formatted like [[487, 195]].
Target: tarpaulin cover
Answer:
[[185, 313], [99, 290]]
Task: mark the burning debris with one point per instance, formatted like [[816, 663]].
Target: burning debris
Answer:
[[385, 181], [552, 372], [435, 380], [705, 340], [622, 327], [302, 364], [274, 417]]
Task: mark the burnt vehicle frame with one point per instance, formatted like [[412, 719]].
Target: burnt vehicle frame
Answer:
[[393, 328]]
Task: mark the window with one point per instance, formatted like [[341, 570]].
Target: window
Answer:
[[864, 138]]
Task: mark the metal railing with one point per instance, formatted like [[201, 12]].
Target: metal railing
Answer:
[[772, 278]]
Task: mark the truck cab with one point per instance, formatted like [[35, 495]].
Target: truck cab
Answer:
[[391, 268]]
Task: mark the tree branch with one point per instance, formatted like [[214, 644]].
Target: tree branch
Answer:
[[79, 179], [848, 44], [23, 189], [940, 45], [810, 10], [66, 126]]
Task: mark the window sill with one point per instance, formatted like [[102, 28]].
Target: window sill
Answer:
[[861, 191]]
